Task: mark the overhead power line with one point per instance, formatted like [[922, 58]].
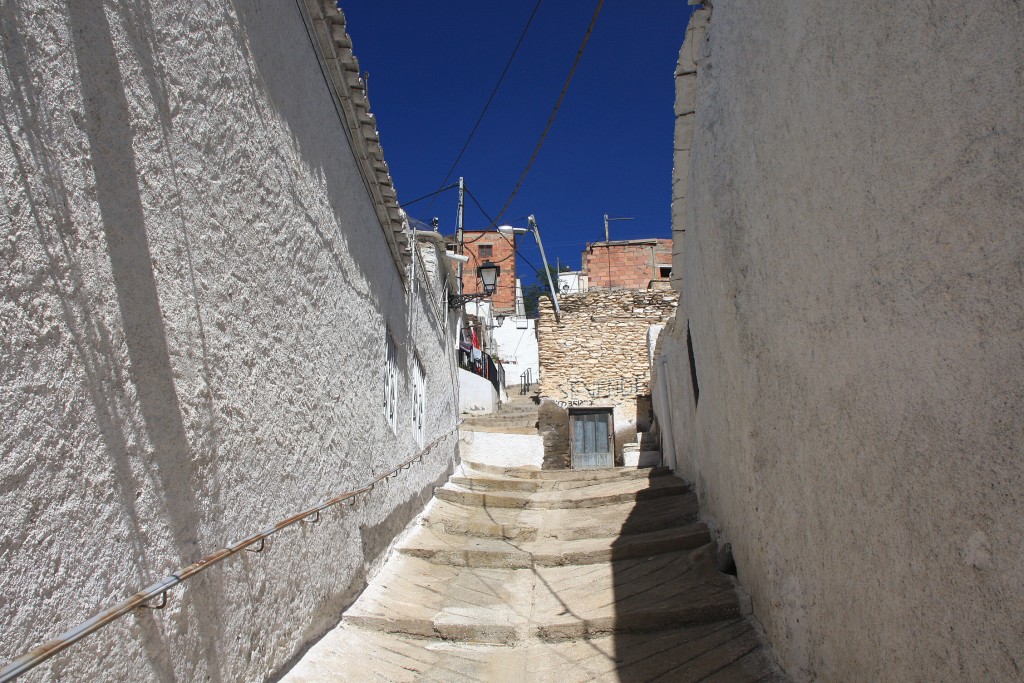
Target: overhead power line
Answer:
[[432, 194], [515, 249], [551, 119], [490, 99]]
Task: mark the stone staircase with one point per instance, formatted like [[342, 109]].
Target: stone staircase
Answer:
[[518, 574], [518, 415]]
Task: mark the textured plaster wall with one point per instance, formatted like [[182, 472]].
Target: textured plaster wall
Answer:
[[195, 293], [853, 285], [685, 105]]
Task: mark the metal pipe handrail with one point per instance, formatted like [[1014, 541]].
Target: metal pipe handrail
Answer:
[[40, 654]]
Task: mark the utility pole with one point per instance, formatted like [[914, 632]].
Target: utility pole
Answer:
[[547, 271], [458, 226]]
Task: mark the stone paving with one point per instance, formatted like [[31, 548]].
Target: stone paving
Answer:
[[518, 574]]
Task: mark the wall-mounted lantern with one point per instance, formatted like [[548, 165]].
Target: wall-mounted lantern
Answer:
[[488, 274]]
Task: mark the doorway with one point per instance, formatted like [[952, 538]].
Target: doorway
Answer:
[[592, 443]]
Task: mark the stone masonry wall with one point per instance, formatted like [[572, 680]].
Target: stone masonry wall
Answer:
[[597, 355], [197, 285], [853, 302]]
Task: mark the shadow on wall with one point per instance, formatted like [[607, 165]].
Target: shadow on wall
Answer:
[[108, 127], [106, 122], [128, 371]]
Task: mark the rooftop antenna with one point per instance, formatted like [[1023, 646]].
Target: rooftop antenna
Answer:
[[607, 241], [608, 220]]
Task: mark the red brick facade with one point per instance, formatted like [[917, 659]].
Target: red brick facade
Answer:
[[491, 246], [627, 264]]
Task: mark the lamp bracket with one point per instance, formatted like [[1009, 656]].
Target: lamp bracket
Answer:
[[457, 300]]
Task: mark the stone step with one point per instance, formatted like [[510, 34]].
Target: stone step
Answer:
[[415, 597], [519, 406], [470, 422], [570, 524], [720, 651], [599, 494], [478, 426], [440, 547], [511, 413], [469, 478], [470, 520], [500, 429], [604, 473]]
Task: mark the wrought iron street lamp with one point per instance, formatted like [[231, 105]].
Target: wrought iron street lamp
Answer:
[[488, 274]]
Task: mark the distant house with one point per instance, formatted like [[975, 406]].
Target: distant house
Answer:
[[628, 264], [498, 248]]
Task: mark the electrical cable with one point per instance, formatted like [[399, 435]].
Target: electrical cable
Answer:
[[515, 250], [428, 196], [551, 119], [494, 92]]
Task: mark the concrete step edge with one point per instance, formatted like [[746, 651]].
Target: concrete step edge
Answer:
[[632, 547], [456, 494], [640, 621], [468, 632], [605, 474]]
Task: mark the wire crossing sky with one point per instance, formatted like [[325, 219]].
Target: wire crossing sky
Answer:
[[433, 67]]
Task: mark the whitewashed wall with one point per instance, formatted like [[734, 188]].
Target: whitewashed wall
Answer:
[[196, 291], [476, 394], [516, 340], [853, 284]]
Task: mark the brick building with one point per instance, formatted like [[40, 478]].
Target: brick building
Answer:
[[481, 246], [628, 264]]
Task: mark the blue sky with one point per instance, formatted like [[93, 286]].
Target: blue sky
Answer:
[[433, 65]]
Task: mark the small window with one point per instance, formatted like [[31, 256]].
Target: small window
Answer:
[[419, 390], [664, 271], [485, 251], [390, 382]]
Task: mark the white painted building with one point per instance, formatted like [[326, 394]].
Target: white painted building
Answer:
[[572, 282], [208, 291], [516, 343]]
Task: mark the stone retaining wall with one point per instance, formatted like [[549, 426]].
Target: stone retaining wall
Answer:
[[597, 355]]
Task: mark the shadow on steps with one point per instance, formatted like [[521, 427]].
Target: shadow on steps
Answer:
[[676, 617]]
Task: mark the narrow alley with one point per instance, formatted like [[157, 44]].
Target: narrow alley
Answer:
[[522, 574], [674, 341]]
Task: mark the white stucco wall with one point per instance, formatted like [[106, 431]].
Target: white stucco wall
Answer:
[[854, 288], [196, 291], [505, 450], [476, 394], [516, 340]]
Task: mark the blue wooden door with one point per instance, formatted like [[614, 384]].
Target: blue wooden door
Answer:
[[591, 439]]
